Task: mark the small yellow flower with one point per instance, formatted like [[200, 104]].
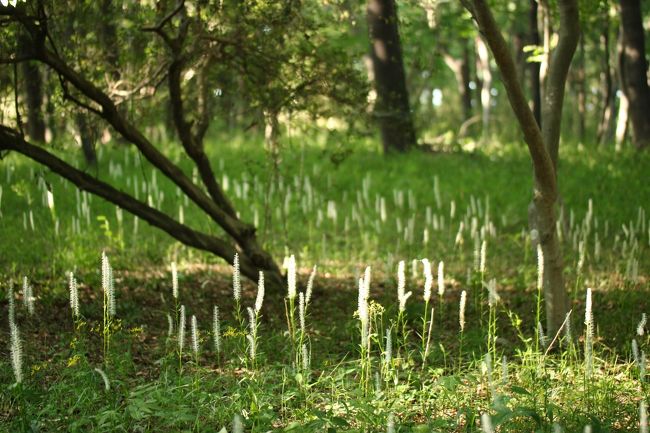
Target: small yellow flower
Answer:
[[74, 360]]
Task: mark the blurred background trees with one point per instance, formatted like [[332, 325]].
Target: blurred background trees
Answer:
[[172, 77]]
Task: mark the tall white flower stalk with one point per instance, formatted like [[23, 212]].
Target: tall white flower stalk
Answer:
[[236, 290], [301, 314], [216, 332], [640, 328], [643, 417], [290, 302], [441, 285], [493, 299], [540, 286], [428, 280], [102, 374], [15, 347], [181, 335], [174, 281], [28, 296], [483, 260], [402, 297], [195, 339], [291, 277], [237, 424], [461, 322], [589, 334], [108, 304], [251, 336], [306, 360], [486, 423], [74, 295], [310, 287], [428, 283], [259, 300], [364, 323]]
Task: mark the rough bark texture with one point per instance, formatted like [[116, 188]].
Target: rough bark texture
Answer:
[[634, 71], [392, 110], [540, 143]]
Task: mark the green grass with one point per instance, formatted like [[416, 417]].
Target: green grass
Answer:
[[149, 391]]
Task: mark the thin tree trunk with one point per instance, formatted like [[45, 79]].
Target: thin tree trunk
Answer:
[[541, 143], [518, 43], [86, 138], [622, 117], [460, 68], [621, 122], [634, 69], [33, 86], [392, 110], [534, 67], [483, 68], [108, 38], [544, 18], [607, 88], [582, 91]]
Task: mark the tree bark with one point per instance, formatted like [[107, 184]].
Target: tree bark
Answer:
[[100, 104], [535, 83], [108, 38], [607, 87], [634, 71], [86, 138], [540, 143], [393, 109], [11, 141], [582, 91], [33, 86], [460, 68]]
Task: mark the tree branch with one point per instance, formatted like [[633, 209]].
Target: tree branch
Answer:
[[11, 140], [557, 76], [542, 163], [193, 143]]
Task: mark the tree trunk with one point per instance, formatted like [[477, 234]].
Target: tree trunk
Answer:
[[534, 67], [86, 139], [108, 38], [518, 43], [544, 13], [33, 85], [483, 68], [621, 122], [542, 144], [634, 71], [622, 118], [460, 68], [607, 88], [582, 91], [392, 110]]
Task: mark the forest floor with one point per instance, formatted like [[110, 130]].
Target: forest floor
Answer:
[[328, 211]]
